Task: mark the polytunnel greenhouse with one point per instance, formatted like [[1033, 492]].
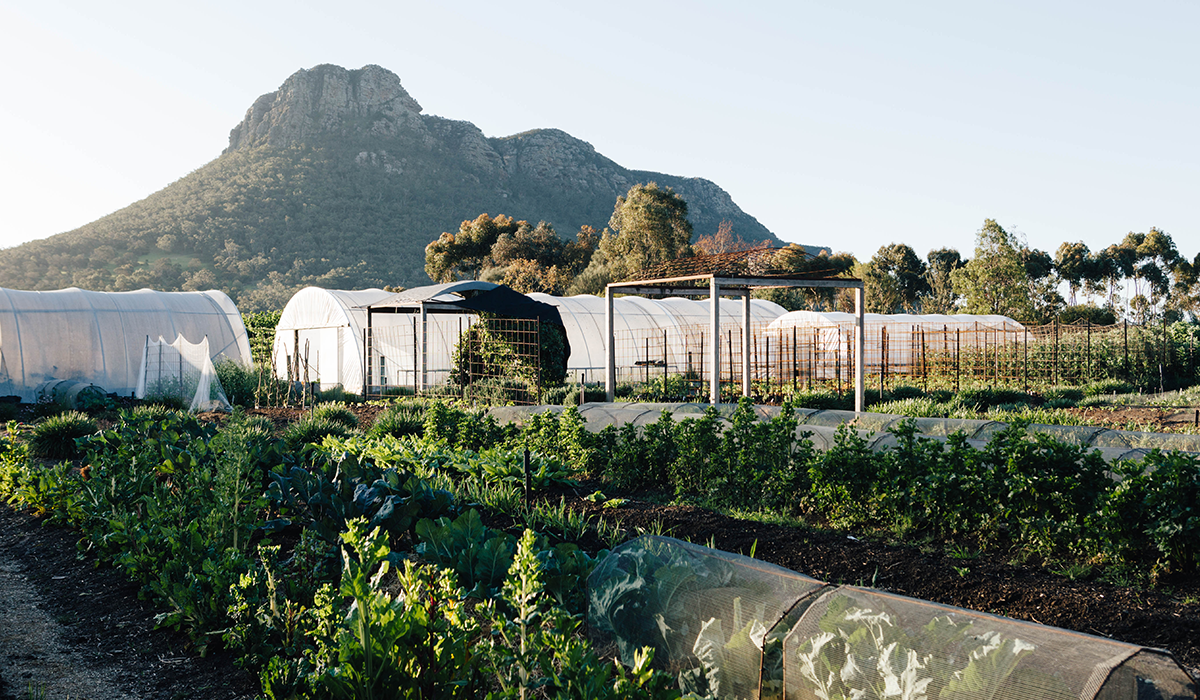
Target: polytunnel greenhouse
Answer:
[[651, 336], [321, 335], [100, 338], [732, 627], [321, 338]]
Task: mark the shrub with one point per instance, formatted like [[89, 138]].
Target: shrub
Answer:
[[338, 413], [239, 382], [153, 411], [905, 391], [312, 429], [1151, 517], [336, 394], [499, 391], [400, 419], [923, 407], [1086, 312], [54, 438], [1106, 387], [1062, 394]]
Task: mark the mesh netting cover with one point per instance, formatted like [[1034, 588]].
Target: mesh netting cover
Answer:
[[733, 627], [183, 371]]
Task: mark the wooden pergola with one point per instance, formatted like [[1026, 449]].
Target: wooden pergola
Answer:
[[715, 285]]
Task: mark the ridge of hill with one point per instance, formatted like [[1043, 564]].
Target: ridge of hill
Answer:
[[337, 179]]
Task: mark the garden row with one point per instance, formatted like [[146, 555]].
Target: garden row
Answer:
[[341, 570], [268, 544]]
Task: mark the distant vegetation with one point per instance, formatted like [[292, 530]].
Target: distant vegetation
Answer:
[[261, 223]]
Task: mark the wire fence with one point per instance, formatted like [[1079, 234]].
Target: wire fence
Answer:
[[487, 360], [808, 358]]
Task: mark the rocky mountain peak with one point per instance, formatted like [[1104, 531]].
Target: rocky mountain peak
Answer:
[[328, 98]]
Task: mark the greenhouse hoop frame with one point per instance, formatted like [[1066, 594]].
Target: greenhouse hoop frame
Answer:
[[733, 286]]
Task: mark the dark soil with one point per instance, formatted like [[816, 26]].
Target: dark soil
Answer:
[[108, 626], [105, 623]]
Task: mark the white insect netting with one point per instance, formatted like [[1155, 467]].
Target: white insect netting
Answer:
[[733, 627], [181, 370]]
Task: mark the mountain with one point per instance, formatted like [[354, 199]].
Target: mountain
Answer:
[[338, 179]]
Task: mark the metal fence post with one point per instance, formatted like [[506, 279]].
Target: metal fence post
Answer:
[[1126, 344], [957, 359]]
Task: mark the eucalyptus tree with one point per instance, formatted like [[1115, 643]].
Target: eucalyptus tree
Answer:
[[940, 297], [995, 281], [894, 280]]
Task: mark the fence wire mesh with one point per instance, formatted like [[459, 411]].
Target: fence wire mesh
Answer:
[[806, 358], [483, 360]]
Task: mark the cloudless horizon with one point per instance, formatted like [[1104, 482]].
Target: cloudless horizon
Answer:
[[850, 126]]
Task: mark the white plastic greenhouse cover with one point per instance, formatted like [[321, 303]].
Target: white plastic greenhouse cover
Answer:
[[330, 323], [99, 337], [635, 318], [327, 326]]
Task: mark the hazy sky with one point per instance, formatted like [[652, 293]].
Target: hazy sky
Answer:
[[851, 124]]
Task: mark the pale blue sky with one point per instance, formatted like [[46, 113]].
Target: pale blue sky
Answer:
[[850, 125]]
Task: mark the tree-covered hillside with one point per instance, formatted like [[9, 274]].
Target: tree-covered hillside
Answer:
[[337, 180]]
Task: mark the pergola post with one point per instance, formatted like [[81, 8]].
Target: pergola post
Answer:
[[610, 358], [746, 344], [421, 382], [714, 369], [859, 303]]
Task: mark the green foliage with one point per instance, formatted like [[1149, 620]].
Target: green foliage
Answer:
[[399, 419], [535, 649], [459, 429], [995, 280], [894, 280], [1087, 313], [492, 355], [260, 329], [478, 554], [54, 437], [312, 429], [338, 413], [241, 383], [1153, 515], [416, 643]]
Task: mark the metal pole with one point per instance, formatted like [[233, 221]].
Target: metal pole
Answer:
[[746, 343], [714, 370], [366, 357], [1054, 355], [957, 359], [859, 304], [610, 358], [1126, 343], [1088, 363], [664, 359], [795, 368], [1026, 359], [883, 347], [424, 383]]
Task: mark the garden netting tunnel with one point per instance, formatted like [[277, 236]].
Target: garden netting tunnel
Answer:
[[732, 627]]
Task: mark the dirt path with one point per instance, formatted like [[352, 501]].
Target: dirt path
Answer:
[[79, 631], [35, 660]]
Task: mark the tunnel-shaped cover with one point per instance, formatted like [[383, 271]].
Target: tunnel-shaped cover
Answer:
[[733, 627], [100, 337]]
